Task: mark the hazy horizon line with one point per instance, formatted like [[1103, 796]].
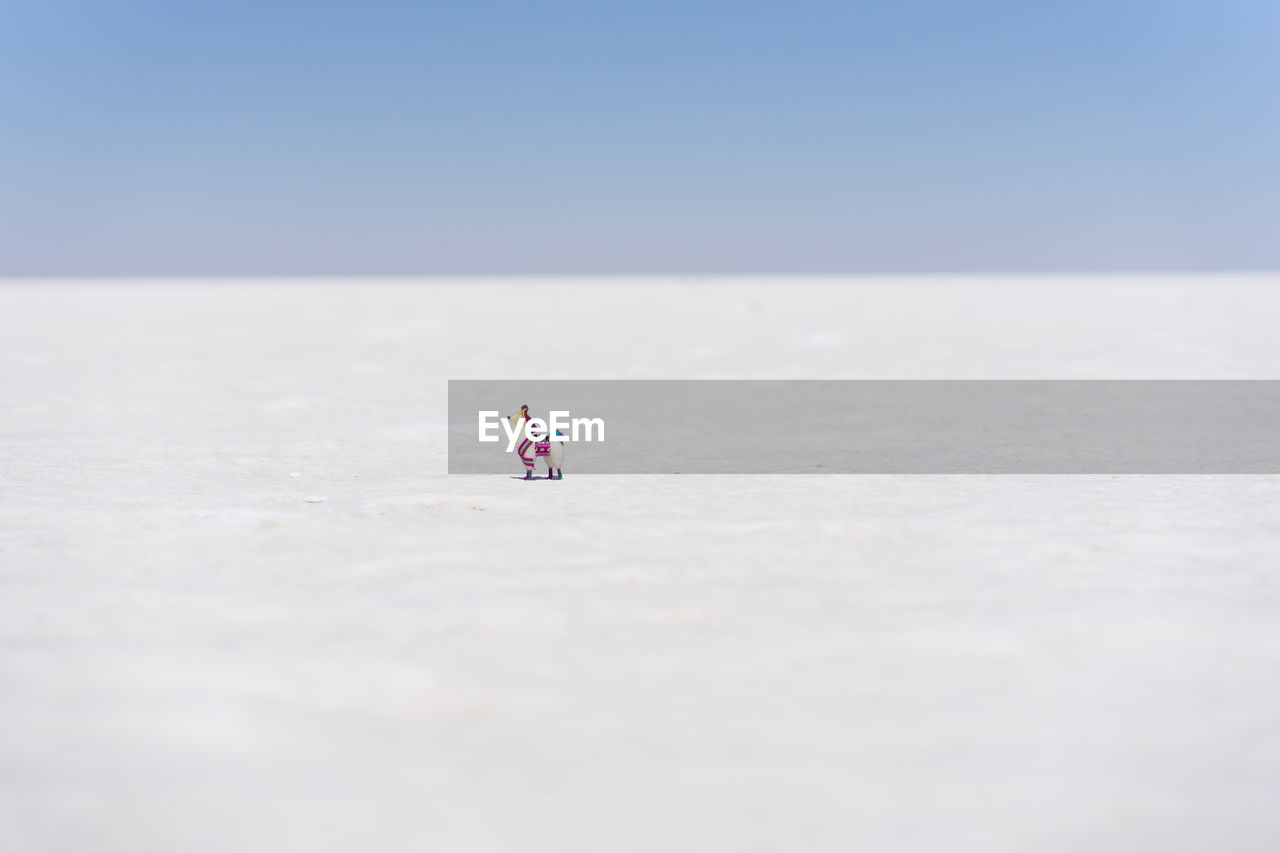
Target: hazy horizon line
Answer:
[[480, 276]]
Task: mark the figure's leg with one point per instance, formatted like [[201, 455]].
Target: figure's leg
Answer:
[[556, 459]]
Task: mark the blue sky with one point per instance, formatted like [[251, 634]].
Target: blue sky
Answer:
[[493, 137]]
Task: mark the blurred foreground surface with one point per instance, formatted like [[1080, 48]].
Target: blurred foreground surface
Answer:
[[243, 608]]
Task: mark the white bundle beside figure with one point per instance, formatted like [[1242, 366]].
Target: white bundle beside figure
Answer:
[[541, 447]]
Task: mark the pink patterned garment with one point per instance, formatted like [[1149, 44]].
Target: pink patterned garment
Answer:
[[523, 449]]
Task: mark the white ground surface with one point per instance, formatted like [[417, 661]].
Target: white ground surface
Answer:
[[198, 654]]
